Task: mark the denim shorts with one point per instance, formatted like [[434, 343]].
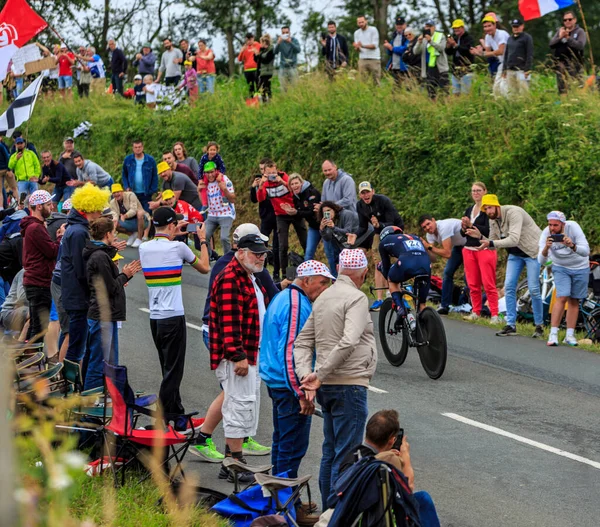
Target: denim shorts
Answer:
[[571, 283], [65, 81], [131, 224]]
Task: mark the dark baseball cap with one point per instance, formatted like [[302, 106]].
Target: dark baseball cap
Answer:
[[69, 140], [254, 243], [400, 20], [516, 22], [19, 140], [164, 216]]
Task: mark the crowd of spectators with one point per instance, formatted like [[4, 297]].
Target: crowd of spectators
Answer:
[[413, 56]]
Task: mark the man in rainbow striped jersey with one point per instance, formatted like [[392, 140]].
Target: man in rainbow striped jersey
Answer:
[[162, 261]]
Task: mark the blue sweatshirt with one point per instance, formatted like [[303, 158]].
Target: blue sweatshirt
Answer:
[[75, 291]]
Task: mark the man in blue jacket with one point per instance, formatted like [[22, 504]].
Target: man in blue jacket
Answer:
[[140, 175], [396, 47], [285, 318], [88, 203]]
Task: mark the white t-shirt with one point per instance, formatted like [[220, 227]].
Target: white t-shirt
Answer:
[[449, 228], [494, 42], [162, 263], [151, 97], [261, 303], [218, 204], [368, 36]]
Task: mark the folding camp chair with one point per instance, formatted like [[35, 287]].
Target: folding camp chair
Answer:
[[236, 467], [274, 484], [51, 375], [122, 427]]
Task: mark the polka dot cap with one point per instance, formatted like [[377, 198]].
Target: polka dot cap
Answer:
[[39, 197], [313, 268], [353, 259]]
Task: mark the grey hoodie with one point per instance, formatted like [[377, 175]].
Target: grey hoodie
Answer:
[[342, 191]]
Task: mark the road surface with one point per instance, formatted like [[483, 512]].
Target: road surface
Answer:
[[507, 437]]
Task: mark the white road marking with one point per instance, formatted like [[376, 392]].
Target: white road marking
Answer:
[[376, 390], [191, 326], [198, 328], [524, 440]]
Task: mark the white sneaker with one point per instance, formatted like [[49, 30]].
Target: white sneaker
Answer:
[[131, 239], [495, 320], [472, 316], [145, 239], [552, 340], [570, 340], [137, 243]]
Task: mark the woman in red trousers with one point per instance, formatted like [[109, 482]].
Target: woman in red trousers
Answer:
[[480, 266]]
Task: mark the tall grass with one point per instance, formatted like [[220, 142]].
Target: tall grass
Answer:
[[540, 152]]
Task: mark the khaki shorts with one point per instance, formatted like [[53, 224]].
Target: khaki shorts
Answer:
[[241, 405]]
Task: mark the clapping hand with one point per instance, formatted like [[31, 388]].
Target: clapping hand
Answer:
[[473, 232], [120, 245], [132, 268]]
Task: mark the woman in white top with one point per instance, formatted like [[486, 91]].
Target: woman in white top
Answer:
[[480, 266]]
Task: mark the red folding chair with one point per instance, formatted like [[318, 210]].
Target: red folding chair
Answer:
[[122, 427]]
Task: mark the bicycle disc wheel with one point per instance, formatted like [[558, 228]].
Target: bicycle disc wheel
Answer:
[[393, 339], [433, 356]]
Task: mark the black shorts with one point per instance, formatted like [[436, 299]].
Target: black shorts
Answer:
[[411, 267]]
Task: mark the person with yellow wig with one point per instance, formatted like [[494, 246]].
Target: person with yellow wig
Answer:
[[88, 202]]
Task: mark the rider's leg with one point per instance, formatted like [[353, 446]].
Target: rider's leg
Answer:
[[380, 283], [397, 297], [422, 290]]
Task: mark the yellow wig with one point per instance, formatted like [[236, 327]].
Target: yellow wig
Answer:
[[90, 198]]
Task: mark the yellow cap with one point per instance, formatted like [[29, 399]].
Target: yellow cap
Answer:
[[489, 18], [458, 23], [117, 257], [187, 63], [116, 187], [168, 194], [162, 167], [490, 200]]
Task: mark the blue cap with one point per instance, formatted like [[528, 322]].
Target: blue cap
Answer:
[[429, 22]]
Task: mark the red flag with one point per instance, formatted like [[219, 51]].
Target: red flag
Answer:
[[18, 25]]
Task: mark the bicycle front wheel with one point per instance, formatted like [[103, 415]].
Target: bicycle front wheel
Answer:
[[433, 355], [392, 334]]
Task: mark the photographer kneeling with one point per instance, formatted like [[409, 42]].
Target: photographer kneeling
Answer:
[[385, 440]]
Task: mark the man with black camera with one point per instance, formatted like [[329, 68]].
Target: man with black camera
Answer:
[[459, 46], [567, 45], [431, 45]]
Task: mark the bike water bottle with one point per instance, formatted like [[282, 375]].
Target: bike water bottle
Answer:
[[412, 322]]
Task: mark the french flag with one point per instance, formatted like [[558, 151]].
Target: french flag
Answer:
[[531, 9]]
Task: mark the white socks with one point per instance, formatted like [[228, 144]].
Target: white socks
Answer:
[[553, 331], [570, 332]]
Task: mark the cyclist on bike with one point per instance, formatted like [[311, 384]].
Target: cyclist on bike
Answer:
[[411, 260]]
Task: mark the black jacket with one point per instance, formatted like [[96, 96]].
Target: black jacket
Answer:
[[56, 173], [482, 222], [335, 50], [383, 209], [118, 62], [266, 212], [304, 204], [410, 59], [518, 54], [11, 256], [462, 58], [100, 266]]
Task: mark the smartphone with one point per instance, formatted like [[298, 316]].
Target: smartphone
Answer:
[[398, 443], [327, 215], [557, 237], [290, 273], [22, 198], [191, 227]]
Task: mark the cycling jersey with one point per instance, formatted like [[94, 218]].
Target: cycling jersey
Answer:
[[412, 260]]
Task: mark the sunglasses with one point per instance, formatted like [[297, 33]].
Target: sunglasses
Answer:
[[567, 19]]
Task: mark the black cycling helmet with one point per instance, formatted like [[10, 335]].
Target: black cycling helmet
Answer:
[[389, 230]]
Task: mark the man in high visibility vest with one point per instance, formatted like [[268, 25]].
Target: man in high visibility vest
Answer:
[[431, 45]]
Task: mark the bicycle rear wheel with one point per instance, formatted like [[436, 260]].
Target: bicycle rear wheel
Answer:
[[433, 355], [392, 334]]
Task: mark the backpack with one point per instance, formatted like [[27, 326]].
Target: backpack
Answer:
[[272, 520], [294, 260], [359, 492]]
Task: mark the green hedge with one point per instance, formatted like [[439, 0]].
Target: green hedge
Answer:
[[541, 152]]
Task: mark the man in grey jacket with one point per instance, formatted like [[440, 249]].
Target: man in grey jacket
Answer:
[[431, 45], [513, 229], [565, 244], [170, 64], [335, 356], [288, 48], [89, 172], [339, 186]]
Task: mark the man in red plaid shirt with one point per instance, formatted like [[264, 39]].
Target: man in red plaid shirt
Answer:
[[237, 308]]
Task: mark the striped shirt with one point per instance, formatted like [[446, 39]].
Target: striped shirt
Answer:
[[162, 263]]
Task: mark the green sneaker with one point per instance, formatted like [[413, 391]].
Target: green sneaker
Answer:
[[208, 452], [252, 448]]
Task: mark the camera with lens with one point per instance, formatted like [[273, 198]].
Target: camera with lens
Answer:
[[427, 32]]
